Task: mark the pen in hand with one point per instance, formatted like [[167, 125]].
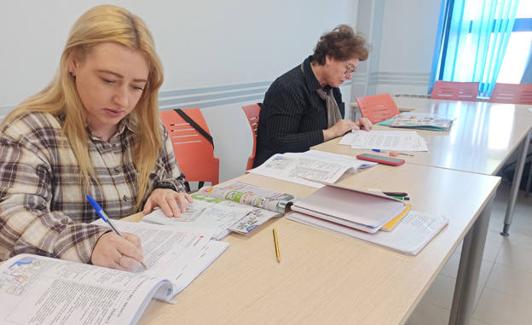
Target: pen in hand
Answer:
[[105, 218]]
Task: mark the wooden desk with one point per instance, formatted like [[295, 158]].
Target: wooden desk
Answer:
[[328, 278], [482, 138]]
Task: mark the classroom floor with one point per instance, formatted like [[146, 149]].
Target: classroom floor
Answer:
[[505, 284]]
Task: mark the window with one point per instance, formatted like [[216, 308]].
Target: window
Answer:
[[485, 41], [519, 47]]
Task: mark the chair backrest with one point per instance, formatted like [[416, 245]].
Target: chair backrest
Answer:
[[512, 94], [193, 152], [451, 90], [377, 108], [252, 114]]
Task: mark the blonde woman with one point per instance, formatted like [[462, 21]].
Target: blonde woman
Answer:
[[94, 130]]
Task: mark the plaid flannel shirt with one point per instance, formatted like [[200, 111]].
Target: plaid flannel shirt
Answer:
[[43, 209]]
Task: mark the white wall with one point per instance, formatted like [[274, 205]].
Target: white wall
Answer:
[[402, 34], [202, 43]]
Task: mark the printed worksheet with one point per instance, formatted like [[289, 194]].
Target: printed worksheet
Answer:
[[167, 250], [215, 216], [312, 168], [385, 140]]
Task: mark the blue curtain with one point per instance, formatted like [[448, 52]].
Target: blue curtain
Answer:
[[474, 37]]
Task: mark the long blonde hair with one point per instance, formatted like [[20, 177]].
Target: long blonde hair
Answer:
[[101, 24]]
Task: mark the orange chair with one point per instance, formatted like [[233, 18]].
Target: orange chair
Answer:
[[455, 90], [193, 150], [252, 113], [512, 94], [377, 108]]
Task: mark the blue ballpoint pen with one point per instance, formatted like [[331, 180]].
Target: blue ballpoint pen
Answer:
[[391, 152], [101, 214], [105, 218]]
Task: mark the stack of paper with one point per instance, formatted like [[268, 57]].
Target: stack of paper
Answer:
[[312, 168], [357, 209], [366, 215], [385, 140], [410, 236]]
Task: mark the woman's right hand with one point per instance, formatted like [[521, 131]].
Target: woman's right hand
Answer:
[[340, 128], [116, 252]]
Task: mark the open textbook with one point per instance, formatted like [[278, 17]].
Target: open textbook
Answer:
[[232, 206], [311, 168], [41, 290], [385, 140]]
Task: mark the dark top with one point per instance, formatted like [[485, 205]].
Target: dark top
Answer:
[[293, 115]]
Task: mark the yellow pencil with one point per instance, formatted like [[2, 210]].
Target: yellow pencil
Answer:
[[276, 243]]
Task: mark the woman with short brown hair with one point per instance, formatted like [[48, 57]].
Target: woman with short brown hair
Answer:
[[304, 107]]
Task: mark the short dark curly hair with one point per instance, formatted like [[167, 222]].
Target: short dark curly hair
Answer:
[[342, 43]]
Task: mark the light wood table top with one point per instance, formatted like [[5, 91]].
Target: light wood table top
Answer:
[[482, 137], [325, 277]]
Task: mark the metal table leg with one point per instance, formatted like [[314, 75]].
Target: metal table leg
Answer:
[[520, 164], [529, 181], [469, 269]]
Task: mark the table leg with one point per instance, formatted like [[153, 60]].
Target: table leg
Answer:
[[469, 269], [520, 164], [529, 181]]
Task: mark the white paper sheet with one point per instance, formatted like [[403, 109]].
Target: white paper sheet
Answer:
[[413, 233], [208, 255], [385, 140], [216, 218], [167, 250]]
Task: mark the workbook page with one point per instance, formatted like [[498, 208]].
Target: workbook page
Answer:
[[215, 217], [167, 250], [308, 168], [41, 290]]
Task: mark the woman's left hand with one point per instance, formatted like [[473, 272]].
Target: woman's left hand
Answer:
[[172, 203]]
